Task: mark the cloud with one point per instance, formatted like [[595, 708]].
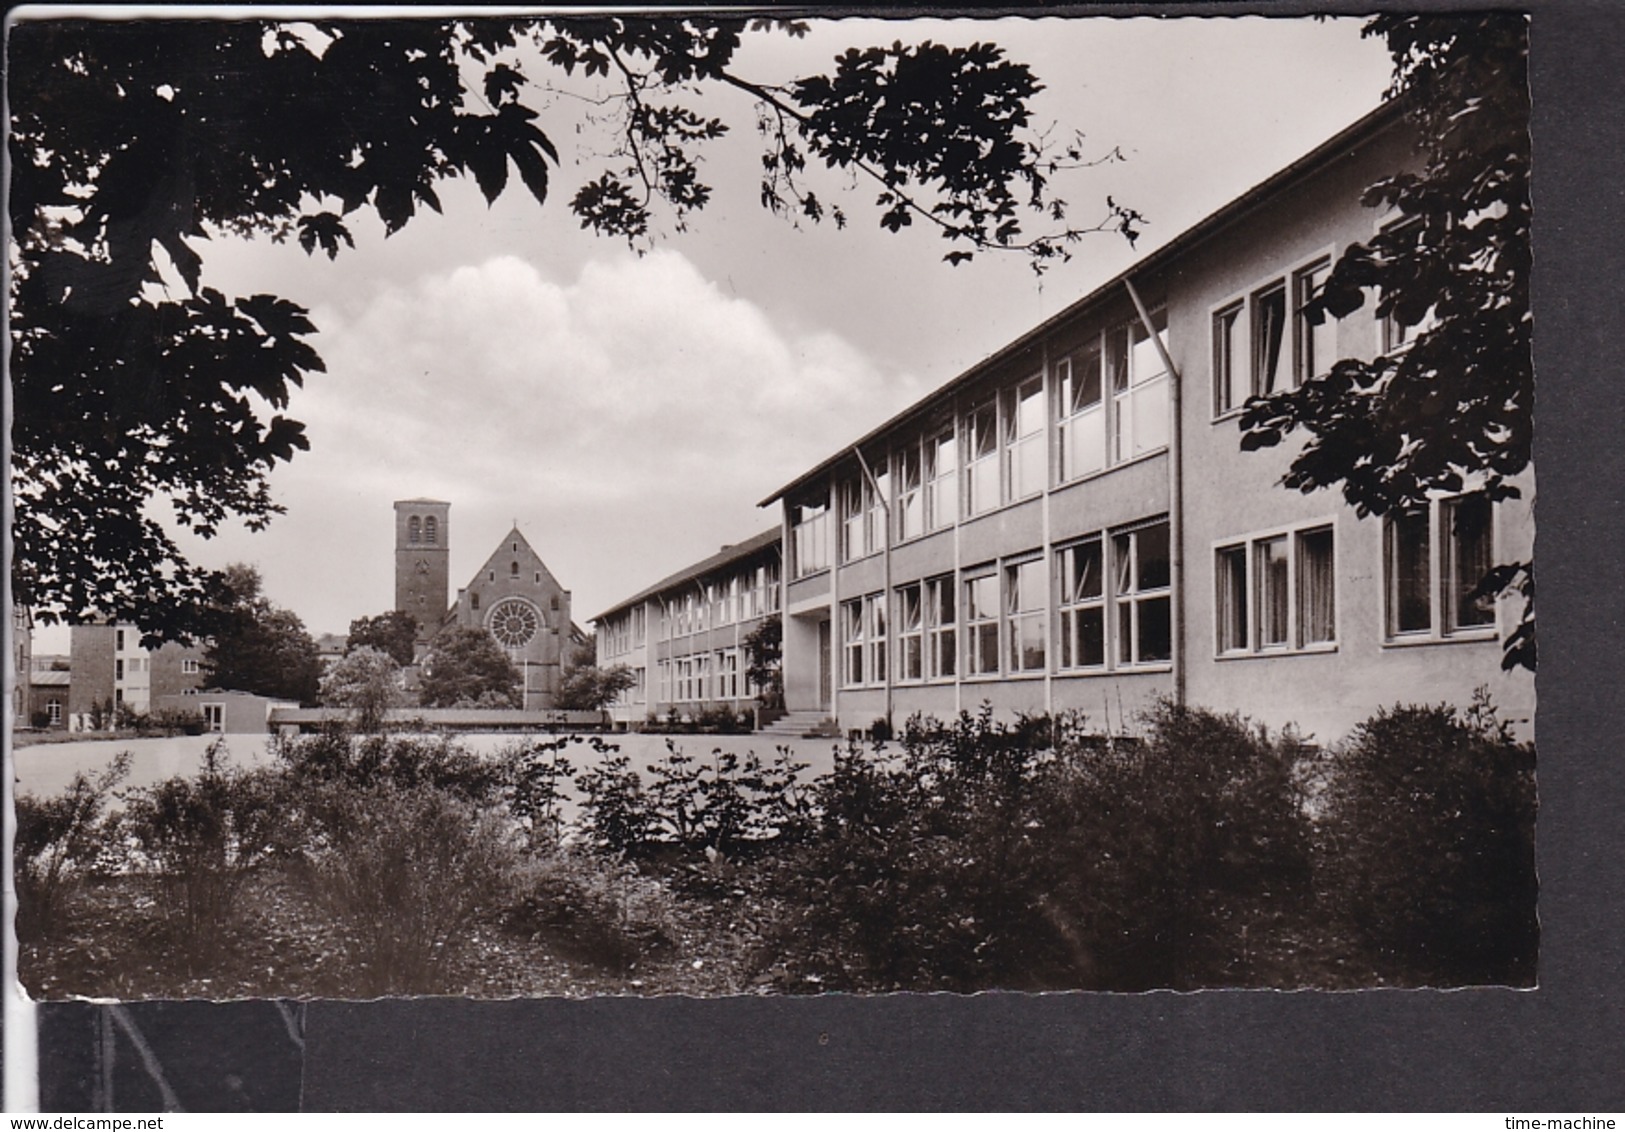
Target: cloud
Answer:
[[629, 418]]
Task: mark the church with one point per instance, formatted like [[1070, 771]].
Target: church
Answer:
[[513, 596]]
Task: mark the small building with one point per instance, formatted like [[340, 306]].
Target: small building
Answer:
[[47, 697], [684, 637], [225, 712]]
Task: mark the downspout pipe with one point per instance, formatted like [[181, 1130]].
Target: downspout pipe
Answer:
[[1176, 495], [885, 542]]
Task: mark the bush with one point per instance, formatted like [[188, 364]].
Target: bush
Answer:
[[1026, 856], [1182, 845], [597, 910], [58, 843], [199, 840], [337, 756], [1426, 848], [405, 872]]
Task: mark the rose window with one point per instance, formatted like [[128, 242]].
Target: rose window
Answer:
[[513, 623]]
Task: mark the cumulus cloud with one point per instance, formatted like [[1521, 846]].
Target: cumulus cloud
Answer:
[[629, 419]]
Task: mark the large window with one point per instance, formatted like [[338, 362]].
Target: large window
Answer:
[[982, 624], [1141, 593], [940, 620], [863, 640], [1435, 560], [1276, 592], [1082, 413], [728, 674], [909, 617], [982, 459], [1025, 465], [1083, 606], [1267, 344], [941, 480], [1026, 597], [1139, 390], [809, 535]]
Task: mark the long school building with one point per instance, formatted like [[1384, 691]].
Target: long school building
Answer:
[[1071, 525]]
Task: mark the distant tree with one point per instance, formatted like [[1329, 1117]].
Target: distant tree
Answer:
[[133, 384], [1451, 407], [764, 653], [585, 686], [257, 647], [465, 666], [392, 633], [367, 680]]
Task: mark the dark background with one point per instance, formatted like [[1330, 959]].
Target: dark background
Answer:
[[1558, 1048]]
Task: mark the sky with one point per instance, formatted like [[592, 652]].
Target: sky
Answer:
[[628, 409]]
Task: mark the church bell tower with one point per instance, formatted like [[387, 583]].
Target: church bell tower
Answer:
[[423, 561]]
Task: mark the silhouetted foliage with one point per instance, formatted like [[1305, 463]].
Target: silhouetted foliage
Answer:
[[467, 667], [393, 633], [256, 646], [131, 141], [1427, 846]]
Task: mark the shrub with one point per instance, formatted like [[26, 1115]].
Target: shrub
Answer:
[[538, 773], [58, 843], [1425, 848], [407, 872], [1180, 845], [199, 840], [615, 814], [336, 756], [1024, 856], [598, 910]]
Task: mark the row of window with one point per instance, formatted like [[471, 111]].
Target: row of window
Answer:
[[703, 677], [994, 619], [721, 602], [997, 450], [1265, 343], [1273, 592], [618, 636]]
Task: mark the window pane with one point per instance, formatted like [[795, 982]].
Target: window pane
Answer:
[[1229, 365], [1156, 629], [1409, 607], [1318, 342], [1152, 570], [1081, 566], [1317, 611], [1232, 597], [1271, 569], [1083, 637], [1469, 526], [1269, 340], [911, 653]]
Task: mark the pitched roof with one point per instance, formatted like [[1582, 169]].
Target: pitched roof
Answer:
[[731, 553], [1339, 145]]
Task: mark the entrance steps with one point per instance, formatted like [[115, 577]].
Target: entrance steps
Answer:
[[801, 725]]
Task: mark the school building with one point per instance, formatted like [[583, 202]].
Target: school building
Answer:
[[1072, 525]]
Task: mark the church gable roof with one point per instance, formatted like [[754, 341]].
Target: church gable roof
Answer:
[[514, 547]]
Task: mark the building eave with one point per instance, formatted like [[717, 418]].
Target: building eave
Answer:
[[1340, 146]]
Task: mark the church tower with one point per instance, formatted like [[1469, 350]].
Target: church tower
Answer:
[[423, 561]]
